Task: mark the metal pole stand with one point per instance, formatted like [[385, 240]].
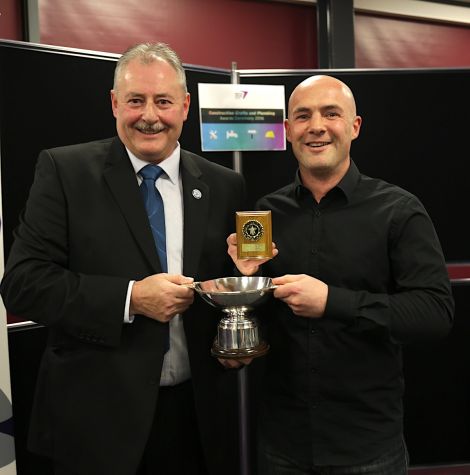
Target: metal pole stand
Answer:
[[243, 424]]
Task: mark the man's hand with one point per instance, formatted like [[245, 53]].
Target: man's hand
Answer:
[[305, 295], [161, 296], [245, 266], [233, 364]]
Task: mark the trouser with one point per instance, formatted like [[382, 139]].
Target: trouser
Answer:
[[173, 446], [392, 462]]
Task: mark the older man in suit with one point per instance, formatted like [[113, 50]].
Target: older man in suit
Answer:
[[127, 383]]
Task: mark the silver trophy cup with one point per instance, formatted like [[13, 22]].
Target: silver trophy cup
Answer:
[[237, 332]]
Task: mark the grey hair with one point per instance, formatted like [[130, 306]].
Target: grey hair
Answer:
[[148, 53]]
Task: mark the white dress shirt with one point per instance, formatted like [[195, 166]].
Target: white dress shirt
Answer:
[[176, 362]]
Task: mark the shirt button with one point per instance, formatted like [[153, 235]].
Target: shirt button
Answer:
[[317, 213], [312, 331], [314, 251], [313, 370]]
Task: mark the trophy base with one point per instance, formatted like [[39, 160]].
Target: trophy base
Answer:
[[239, 353]]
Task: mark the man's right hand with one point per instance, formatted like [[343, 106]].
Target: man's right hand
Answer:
[[245, 266], [161, 296]]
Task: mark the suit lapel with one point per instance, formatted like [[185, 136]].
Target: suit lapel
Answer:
[[196, 196], [120, 177]]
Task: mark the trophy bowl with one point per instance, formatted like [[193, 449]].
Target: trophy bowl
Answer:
[[237, 332]]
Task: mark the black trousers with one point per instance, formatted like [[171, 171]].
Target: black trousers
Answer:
[[174, 446]]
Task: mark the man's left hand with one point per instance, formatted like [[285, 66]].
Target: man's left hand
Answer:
[[305, 295], [233, 364]]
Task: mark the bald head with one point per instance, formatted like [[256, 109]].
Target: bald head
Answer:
[[324, 83], [321, 125]]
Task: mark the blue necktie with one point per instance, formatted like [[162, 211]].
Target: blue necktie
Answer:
[[155, 210], [156, 214]]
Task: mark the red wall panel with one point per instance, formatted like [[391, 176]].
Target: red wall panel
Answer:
[[255, 34], [398, 43], [10, 20], [214, 33]]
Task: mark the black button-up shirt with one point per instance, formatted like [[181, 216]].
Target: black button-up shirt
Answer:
[[333, 386]]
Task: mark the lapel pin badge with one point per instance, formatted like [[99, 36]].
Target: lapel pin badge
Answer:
[[197, 194]]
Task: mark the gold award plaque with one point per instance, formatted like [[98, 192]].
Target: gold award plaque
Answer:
[[254, 234]]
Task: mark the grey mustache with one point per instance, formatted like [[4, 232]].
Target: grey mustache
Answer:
[[154, 128]]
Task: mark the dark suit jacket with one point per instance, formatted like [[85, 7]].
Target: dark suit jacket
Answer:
[[84, 234]]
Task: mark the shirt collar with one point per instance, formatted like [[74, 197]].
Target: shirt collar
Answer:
[[170, 165], [347, 184], [349, 181]]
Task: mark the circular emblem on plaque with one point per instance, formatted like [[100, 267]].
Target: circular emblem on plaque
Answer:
[[252, 230]]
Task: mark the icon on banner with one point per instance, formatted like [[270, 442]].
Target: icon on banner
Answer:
[[231, 134], [270, 134], [213, 134], [240, 94]]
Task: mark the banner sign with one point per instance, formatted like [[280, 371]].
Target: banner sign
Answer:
[[237, 117]]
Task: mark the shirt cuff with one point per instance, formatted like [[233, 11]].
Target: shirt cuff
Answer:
[[128, 318], [340, 304]]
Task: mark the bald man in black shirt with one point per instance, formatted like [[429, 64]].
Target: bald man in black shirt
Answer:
[[359, 271]]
